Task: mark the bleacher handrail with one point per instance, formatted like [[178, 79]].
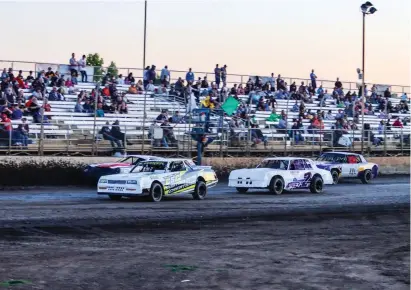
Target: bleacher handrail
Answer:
[[350, 85]]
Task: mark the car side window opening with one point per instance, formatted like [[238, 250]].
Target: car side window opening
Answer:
[[177, 166], [353, 159], [274, 164], [332, 157], [307, 165], [297, 164]]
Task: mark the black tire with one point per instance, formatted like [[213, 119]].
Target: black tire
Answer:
[[200, 190], [276, 185], [335, 175], [316, 185], [366, 176], [156, 192], [115, 197], [241, 189]]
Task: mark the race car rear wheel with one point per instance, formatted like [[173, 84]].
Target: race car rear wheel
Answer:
[[156, 192], [316, 185], [276, 185], [366, 176], [115, 197], [242, 189], [200, 190], [335, 175]]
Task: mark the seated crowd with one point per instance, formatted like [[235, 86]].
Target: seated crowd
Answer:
[[262, 92]]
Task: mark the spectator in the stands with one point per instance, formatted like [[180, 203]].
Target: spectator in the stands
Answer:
[[106, 91], [168, 134], [17, 113], [329, 115], [87, 106], [30, 77], [387, 93], [73, 65], [313, 78], [150, 86], [257, 136], [82, 65], [190, 76], [282, 125], [165, 76], [296, 107], [296, 132], [4, 74], [240, 90], [122, 108], [176, 118], [163, 116], [6, 126], [132, 89], [338, 84], [204, 83], [146, 76], [404, 97], [129, 79], [120, 80], [106, 133], [10, 95], [22, 133], [152, 74], [99, 112], [11, 75], [116, 133], [49, 74], [78, 108], [179, 85], [224, 74], [397, 123], [53, 95], [217, 75], [139, 86]]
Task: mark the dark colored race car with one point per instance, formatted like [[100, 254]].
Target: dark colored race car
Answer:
[[95, 171]]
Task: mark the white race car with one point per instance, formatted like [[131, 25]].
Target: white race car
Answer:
[[347, 165], [279, 174], [158, 178], [95, 171]]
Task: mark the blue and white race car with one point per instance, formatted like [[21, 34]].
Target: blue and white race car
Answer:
[[279, 174], [347, 165]]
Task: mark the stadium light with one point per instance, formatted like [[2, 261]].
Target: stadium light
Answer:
[[366, 8]]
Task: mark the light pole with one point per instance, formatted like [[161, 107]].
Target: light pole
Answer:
[[144, 67], [366, 8]]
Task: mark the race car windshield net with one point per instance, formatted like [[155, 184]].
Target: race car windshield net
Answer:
[[274, 164], [331, 157], [150, 166]]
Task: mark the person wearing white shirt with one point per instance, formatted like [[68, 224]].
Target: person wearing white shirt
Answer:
[[150, 87], [165, 76], [120, 80], [82, 65], [329, 115]]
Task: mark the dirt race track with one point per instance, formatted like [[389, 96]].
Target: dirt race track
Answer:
[[352, 237]]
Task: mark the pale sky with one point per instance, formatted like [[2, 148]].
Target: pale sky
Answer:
[[287, 37]]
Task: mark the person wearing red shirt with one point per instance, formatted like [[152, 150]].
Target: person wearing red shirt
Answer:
[[397, 123]]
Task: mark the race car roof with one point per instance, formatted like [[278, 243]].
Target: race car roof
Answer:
[[286, 158], [341, 152]]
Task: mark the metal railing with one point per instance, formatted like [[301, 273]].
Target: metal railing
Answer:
[[27, 66], [83, 139]]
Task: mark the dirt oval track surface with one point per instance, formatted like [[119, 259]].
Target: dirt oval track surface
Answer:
[[73, 207], [353, 236]]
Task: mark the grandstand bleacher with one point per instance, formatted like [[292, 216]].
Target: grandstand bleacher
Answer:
[[77, 133]]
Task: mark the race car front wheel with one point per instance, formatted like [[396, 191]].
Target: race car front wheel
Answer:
[[366, 176], [335, 175], [156, 192], [200, 190], [316, 185], [276, 185]]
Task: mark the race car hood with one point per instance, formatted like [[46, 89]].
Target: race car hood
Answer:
[[126, 176], [253, 173]]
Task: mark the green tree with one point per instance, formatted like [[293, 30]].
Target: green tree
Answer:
[[94, 59], [112, 69]]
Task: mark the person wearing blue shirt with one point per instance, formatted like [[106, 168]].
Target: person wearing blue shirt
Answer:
[[190, 76], [165, 75], [313, 78], [404, 97], [320, 90]]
